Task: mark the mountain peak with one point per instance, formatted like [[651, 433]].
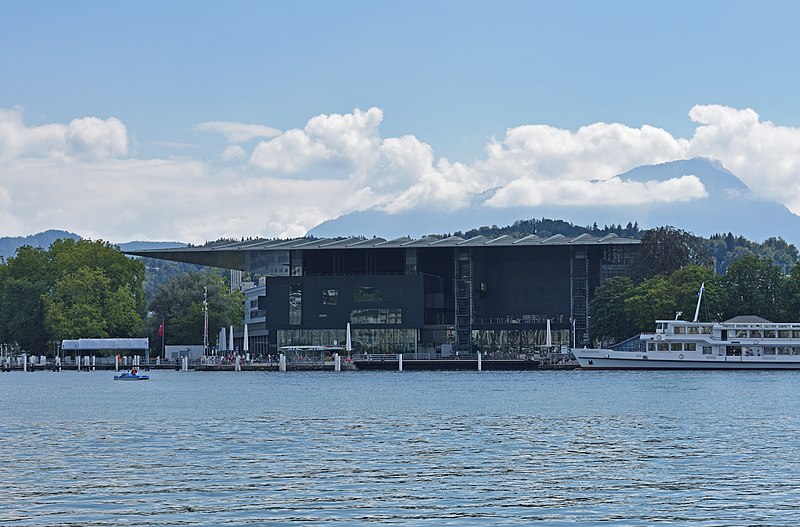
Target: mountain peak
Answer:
[[729, 207], [715, 177]]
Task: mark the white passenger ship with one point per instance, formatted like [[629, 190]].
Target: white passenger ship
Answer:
[[741, 343]]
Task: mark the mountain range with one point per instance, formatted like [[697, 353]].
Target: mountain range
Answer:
[[10, 244], [729, 207]]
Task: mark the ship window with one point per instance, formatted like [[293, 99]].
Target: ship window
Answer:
[[659, 326], [769, 333], [795, 350], [784, 334], [706, 330], [784, 350], [755, 334], [651, 346], [741, 333], [690, 346], [663, 346], [680, 330], [693, 330], [795, 334], [706, 350], [676, 346], [733, 351], [769, 350]]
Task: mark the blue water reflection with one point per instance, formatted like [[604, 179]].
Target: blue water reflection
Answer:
[[412, 448]]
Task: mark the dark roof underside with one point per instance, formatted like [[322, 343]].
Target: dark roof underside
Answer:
[[232, 255]]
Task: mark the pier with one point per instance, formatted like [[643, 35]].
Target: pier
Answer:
[[368, 362]]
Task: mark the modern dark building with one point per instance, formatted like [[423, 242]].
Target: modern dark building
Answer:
[[433, 295]]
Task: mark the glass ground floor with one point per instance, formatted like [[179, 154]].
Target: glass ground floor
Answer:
[[500, 342], [494, 342], [363, 340]]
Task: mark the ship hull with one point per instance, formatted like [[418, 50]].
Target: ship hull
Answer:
[[624, 360]]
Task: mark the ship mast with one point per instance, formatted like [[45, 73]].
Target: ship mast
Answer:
[[699, 298]]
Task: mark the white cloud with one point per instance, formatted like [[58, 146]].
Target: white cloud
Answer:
[[97, 138], [87, 137], [327, 141], [762, 154], [238, 132], [290, 153], [614, 191], [77, 176], [233, 152]]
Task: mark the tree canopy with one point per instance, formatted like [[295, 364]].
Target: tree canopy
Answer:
[[74, 289], [751, 286], [666, 249], [179, 303]]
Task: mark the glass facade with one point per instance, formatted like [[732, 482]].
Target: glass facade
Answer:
[[364, 340], [295, 304], [268, 263], [367, 294], [376, 316], [330, 297], [511, 342]]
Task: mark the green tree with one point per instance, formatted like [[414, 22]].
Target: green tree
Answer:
[[72, 290], [23, 284], [664, 250], [792, 294], [608, 319], [68, 256], [179, 303], [685, 286], [649, 301], [754, 286]]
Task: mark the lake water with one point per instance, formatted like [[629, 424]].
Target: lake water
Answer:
[[402, 449]]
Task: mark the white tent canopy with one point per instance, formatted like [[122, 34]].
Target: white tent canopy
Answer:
[[105, 344]]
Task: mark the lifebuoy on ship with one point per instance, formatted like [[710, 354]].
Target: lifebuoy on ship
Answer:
[[659, 337], [680, 356]]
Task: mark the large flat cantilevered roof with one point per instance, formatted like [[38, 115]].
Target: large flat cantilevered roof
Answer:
[[231, 255]]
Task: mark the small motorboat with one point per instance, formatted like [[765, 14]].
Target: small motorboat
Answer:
[[131, 376]]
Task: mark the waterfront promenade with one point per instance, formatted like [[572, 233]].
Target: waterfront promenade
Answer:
[[377, 361]]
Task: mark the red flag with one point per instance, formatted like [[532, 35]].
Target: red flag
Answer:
[[161, 329]]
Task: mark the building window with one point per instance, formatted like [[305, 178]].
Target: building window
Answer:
[[367, 294], [330, 297], [295, 304]]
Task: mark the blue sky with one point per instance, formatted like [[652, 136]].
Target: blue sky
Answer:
[[137, 80]]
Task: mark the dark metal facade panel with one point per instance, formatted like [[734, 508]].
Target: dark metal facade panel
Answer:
[[404, 292]]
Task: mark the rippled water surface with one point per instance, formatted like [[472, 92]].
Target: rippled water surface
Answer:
[[427, 448]]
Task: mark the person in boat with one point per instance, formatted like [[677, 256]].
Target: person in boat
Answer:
[[133, 371]]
